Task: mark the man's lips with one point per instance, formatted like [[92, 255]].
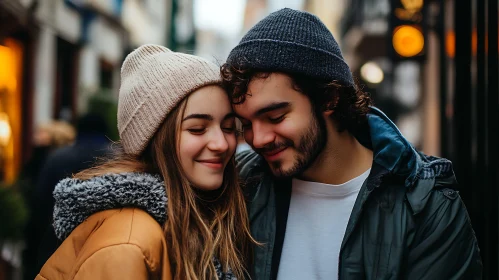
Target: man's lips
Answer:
[[270, 155]]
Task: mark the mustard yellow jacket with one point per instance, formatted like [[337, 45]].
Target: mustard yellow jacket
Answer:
[[111, 227], [125, 243]]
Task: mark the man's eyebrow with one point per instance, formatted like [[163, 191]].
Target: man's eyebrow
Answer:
[[199, 116], [271, 107], [230, 115]]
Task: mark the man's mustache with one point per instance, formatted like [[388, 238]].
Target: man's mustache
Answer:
[[274, 146]]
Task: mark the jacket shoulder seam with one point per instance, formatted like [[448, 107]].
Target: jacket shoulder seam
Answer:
[[131, 226], [41, 276], [146, 257], [110, 247], [440, 200]]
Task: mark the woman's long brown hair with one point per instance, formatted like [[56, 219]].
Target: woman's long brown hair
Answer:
[[196, 229]]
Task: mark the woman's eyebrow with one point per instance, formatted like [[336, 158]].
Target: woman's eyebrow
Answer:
[[199, 116]]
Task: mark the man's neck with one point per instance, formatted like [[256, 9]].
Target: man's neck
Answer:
[[342, 159]]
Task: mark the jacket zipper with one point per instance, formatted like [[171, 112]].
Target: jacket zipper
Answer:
[[365, 191]]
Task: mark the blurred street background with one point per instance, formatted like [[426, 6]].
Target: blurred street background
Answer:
[[431, 66]]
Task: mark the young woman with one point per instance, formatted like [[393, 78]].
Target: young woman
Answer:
[[169, 204]]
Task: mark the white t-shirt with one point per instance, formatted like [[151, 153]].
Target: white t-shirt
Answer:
[[317, 220]]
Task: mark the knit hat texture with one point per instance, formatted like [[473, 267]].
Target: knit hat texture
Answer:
[[154, 80], [294, 42]]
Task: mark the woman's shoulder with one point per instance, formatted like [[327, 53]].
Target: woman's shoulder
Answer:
[[123, 234], [124, 227], [129, 226], [135, 229]]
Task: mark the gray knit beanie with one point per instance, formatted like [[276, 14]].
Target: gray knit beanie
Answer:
[[154, 80], [294, 42]]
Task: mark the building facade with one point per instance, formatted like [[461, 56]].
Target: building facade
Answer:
[[57, 55]]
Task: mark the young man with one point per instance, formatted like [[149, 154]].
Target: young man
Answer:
[[336, 192]]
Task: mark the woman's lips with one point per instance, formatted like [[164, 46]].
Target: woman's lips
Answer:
[[212, 163]]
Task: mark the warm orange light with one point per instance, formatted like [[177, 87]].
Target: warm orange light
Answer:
[[8, 69], [412, 5], [407, 41], [5, 130], [11, 58], [450, 44]]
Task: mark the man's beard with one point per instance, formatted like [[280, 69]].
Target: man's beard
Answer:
[[312, 142]]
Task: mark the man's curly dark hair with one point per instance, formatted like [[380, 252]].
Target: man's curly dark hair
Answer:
[[350, 103]]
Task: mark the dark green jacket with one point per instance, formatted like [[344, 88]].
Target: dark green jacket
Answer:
[[408, 221]]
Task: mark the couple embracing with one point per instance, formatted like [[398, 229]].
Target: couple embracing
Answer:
[[330, 189]]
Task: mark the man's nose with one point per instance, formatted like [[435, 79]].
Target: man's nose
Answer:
[[262, 135]]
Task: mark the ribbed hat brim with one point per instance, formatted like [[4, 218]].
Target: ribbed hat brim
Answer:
[[278, 55]]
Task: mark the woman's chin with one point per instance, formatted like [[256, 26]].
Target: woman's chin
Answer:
[[209, 186]]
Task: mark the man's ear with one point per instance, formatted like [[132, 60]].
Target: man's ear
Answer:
[[330, 107], [328, 112]]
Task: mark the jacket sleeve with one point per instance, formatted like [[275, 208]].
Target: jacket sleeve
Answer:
[[122, 261], [445, 246]]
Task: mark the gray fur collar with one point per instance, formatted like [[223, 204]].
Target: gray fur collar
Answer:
[[76, 200]]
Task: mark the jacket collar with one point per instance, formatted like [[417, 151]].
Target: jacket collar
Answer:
[[391, 150], [395, 154], [76, 200]]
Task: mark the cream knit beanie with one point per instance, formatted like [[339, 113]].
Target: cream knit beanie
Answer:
[[154, 80]]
